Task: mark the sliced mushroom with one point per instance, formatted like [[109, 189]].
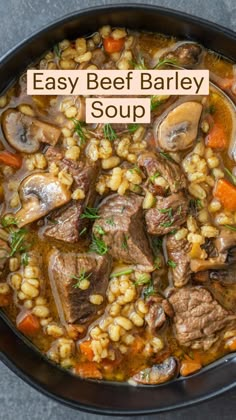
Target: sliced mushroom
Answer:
[[178, 130], [25, 133], [158, 374], [40, 193]]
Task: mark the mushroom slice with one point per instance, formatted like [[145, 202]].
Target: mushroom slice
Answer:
[[40, 193], [25, 133], [179, 128], [158, 374]]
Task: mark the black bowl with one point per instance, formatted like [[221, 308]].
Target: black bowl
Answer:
[[17, 352]]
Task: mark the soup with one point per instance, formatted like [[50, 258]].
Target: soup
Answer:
[[118, 242]]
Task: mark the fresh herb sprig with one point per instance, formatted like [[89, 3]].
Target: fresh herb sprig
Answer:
[[166, 62], [79, 130], [109, 132], [121, 273], [133, 127], [57, 50], [82, 276], [18, 241], [98, 246], [230, 175], [90, 213], [8, 220], [230, 227], [171, 263]]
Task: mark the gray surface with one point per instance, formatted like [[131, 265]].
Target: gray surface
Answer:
[[18, 19]]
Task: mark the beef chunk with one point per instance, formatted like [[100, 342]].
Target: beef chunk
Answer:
[[187, 54], [169, 213], [65, 224], [156, 164], [121, 221], [199, 318], [178, 254], [73, 303], [158, 308]]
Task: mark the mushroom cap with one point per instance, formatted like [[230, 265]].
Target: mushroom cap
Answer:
[[40, 193], [158, 374], [25, 133], [19, 131], [178, 130]]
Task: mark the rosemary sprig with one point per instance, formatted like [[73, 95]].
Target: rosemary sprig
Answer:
[[17, 241]]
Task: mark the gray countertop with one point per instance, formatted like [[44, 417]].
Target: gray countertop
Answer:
[[19, 18]]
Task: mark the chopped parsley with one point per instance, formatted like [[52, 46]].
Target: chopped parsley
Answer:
[[143, 279], [154, 176], [135, 169], [8, 220], [171, 263], [157, 263], [25, 259], [57, 50], [124, 244], [121, 273], [230, 227], [166, 156], [109, 132], [99, 230], [139, 64], [82, 276], [195, 204], [149, 290], [110, 221], [167, 224], [133, 127], [17, 241], [90, 213], [98, 246], [230, 175], [167, 210], [155, 103], [83, 231]]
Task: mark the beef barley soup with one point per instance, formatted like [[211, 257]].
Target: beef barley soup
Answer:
[[118, 242]]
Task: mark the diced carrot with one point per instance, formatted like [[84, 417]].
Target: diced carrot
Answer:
[[85, 348], [28, 324], [226, 83], [137, 345], [5, 300], [10, 159], [112, 45], [226, 194], [216, 138], [188, 367], [88, 370], [231, 344]]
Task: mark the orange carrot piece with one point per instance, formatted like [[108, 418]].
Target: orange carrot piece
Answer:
[[88, 370], [226, 194], [187, 367], [85, 348], [5, 300], [10, 159], [112, 45], [216, 138], [231, 344], [28, 325]]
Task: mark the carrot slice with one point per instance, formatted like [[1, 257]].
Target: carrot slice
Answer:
[[226, 194], [10, 159], [28, 325], [5, 300], [231, 344], [85, 348], [112, 45], [188, 367], [88, 370], [216, 138]]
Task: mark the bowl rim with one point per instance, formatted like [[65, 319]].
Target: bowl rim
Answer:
[[3, 356]]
